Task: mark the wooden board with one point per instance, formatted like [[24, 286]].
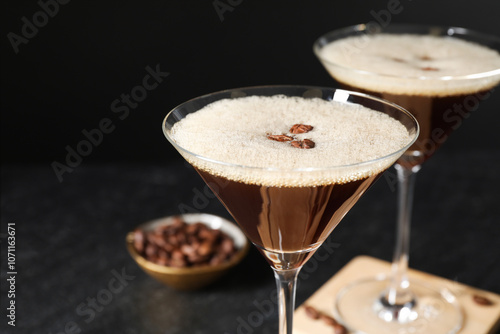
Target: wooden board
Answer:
[[478, 319]]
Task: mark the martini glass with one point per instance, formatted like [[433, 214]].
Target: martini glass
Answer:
[[440, 99], [287, 213]]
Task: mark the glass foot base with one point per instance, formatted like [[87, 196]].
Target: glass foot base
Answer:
[[358, 307]]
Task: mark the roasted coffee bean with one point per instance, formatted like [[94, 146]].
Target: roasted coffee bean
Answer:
[[300, 128], [428, 68], [188, 250], [192, 229], [168, 247], [151, 250], [306, 143], [205, 248], [279, 137], [163, 254], [481, 300], [206, 234], [172, 240], [339, 329], [177, 255], [312, 312], [149, 237], [181, 238], [158, 240], [227, 246]]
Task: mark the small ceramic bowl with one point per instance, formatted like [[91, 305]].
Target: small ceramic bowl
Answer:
[[191, 278]]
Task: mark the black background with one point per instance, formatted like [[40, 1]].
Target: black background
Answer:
[[70, 235], [66, 77]]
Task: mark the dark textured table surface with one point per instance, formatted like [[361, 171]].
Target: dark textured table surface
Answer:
[[70, 244]]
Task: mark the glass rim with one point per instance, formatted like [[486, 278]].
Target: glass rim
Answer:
[[451, 31], [293, 170]]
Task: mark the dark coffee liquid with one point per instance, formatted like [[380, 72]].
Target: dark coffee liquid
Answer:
[[437, 116], [287, 219]]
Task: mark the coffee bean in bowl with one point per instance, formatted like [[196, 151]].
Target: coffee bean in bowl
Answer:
[[188, 251]]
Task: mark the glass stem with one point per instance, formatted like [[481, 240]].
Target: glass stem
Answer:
[[399, 292], [286, 281]]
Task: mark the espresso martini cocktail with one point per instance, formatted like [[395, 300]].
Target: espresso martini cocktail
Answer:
[[440, 75], [438, 79], [288, 162]]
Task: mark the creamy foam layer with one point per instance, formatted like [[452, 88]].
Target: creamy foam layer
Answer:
[[234, 131], [412, 64]]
